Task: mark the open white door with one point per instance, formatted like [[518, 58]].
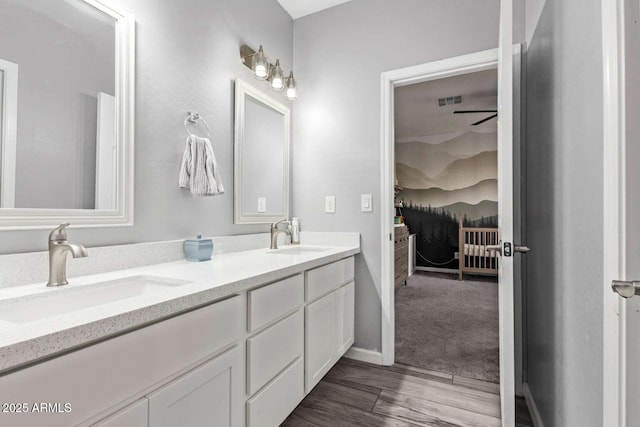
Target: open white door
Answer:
[[632, 209], [505, 213], [621, 343]]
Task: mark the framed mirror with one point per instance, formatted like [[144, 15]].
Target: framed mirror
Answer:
[[261, 161], [66, 114]]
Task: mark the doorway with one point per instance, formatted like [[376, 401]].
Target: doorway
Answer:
[[507, 61], [446, 198]]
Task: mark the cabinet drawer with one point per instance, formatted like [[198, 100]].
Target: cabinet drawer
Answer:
[[103, 375], [327, 278], [276, 401], [401, 254], [270, 302], [400, 231], [273, 349]]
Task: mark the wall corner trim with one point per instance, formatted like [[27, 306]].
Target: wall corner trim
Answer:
[[533, 408], [364, 355]]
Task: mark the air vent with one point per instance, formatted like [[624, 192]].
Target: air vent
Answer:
[[451, 100]]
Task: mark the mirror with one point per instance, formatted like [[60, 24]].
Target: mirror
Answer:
[[66, 114], [261, 161]]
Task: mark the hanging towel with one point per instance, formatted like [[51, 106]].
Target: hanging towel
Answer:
[[199, 170]]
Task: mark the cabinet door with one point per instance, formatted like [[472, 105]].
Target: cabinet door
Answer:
[[320, 339], [345, 313], [209, 395], [135, 415]]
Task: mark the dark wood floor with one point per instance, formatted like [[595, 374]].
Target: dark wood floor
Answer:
[[360, 394]]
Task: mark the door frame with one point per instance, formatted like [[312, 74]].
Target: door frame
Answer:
[[464, 64], [614, 222]]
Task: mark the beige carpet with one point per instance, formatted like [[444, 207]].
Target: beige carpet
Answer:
[[446, 325]]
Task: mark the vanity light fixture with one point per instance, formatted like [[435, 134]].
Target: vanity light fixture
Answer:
[[292, 88], [261, 65], [277, 77], [263, 70]]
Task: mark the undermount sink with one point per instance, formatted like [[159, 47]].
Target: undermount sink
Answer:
[[59, 301], [298, 250]]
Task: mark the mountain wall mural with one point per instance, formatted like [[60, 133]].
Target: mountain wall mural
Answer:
[[486, 190], [434, 158], [441, 182], [458, 174]]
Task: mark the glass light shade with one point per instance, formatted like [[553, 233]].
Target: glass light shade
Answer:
[[261, 65], [292, 88], [277, 77]]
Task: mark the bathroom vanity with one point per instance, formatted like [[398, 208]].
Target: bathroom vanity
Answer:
[[239, 342]]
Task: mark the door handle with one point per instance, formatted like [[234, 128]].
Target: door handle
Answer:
[[626, 289], [498, 248]]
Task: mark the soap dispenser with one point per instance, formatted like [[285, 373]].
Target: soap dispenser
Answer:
[[295, 231], [199, 249]]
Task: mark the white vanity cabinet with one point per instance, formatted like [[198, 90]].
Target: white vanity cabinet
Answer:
[[329, 318], [310, 322], [126, 368], [245, 361]]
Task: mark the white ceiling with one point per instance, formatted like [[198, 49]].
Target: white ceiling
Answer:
[[299, 8], [419, 118]]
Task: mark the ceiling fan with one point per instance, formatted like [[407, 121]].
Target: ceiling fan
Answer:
[[479, 122]]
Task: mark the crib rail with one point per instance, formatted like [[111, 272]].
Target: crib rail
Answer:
[[475, 258]]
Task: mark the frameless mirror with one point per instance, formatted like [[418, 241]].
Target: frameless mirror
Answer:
[[261, 161], [66, 113]]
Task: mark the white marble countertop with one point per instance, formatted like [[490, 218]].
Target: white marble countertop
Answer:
[[225, 275]]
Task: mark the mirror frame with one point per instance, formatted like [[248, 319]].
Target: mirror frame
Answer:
[[243, 89], [30, 218]]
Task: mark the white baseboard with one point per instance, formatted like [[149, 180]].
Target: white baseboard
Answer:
[[364, 355], [531, 404]]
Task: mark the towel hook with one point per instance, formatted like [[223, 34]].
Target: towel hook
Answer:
[[193, 119]]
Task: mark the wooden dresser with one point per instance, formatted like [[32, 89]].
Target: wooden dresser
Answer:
[[401, 246]]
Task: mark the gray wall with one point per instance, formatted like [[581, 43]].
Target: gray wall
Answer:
[[339, 56], [533, 10], [564, 213], [187, 55]]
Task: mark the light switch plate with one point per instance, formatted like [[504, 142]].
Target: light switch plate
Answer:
[[330, 204], [366, 203], [262, 204]]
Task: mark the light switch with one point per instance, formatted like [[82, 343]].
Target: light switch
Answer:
[[330, 204], [262, 204], [366, 203]]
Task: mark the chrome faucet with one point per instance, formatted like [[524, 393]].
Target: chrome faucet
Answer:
[[58, 248], [275, 231]]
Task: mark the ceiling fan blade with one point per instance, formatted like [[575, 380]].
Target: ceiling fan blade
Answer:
[[474, 111], [485, 120]]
